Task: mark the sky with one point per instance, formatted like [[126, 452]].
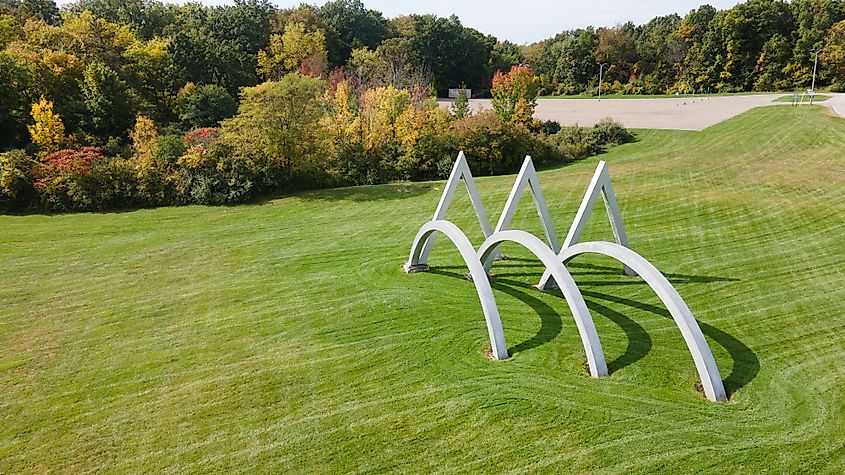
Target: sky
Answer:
[[526, 21]]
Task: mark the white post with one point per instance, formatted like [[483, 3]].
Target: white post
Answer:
[[815, 66], [601, 69]]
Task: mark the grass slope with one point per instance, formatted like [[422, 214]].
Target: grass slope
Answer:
[[652, 96], [284, 336], [806, 99]]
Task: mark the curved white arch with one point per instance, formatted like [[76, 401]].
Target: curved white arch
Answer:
[[476, 271], [711, 380], [583, 320]]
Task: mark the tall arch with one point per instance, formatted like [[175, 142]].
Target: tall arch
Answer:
[[583, 319], [476, 271], [708, 372]]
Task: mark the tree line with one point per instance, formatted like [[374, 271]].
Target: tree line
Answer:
[[110, 104], [100, 62], [759, 45]]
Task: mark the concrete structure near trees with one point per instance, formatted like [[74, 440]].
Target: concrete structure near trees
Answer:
[[555, 258]]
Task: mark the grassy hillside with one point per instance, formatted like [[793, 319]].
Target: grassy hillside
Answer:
[[285, 337], [791, 98]]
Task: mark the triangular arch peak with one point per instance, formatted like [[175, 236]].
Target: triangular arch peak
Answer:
[[600, 184], [460, 170], [527, 178]]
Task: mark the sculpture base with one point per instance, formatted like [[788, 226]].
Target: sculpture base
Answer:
[[414, 268]]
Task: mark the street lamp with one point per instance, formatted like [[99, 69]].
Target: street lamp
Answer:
[[815, 66], [601, 70]]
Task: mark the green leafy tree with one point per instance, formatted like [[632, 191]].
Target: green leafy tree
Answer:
[[205, 105], [17, 92], [277, 127], [10, 30], [15, 178], [454, 54], [460, 108], [107, 101], [45, 10], [349, 25], [505, 55]]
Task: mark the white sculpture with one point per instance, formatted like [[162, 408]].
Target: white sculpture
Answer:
[[476, 271], [583, 319], [554, 260], [711, 380], [527, 177], [599, 184], [459, 170]]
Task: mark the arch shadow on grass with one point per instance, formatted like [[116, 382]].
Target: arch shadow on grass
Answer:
[[746, 364], [551, 324], [639, 341], [550, 320]]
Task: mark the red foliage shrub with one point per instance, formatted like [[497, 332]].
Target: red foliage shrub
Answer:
[[72, 162], [201, 138]]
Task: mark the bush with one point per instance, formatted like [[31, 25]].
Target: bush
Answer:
[[609, 132], [495, 147], [112, 184], [545, 127], [575, 143], [169, 148], [64, 182], [580, 142], [15, 179]]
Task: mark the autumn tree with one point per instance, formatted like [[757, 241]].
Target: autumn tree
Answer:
[[295, 49], [833, 55], [144, 137], [47, 131], [278, 125], [515, 94]]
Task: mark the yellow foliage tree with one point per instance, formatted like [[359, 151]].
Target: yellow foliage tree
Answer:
[[144, 137], [293, 50], [381, 109], [48, 131], [833, 55]]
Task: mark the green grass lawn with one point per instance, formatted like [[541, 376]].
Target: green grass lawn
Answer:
[[284, 337], [651, 96], [790, 98]]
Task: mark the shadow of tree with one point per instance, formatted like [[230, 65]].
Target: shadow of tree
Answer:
[[746, 364]]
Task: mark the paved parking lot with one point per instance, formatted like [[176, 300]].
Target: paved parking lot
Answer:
[[679, 114]]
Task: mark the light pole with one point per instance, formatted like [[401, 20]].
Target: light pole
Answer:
[[601, 70], [815, 66]]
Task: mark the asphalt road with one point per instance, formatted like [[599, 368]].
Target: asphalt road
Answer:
[[690, 113]]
